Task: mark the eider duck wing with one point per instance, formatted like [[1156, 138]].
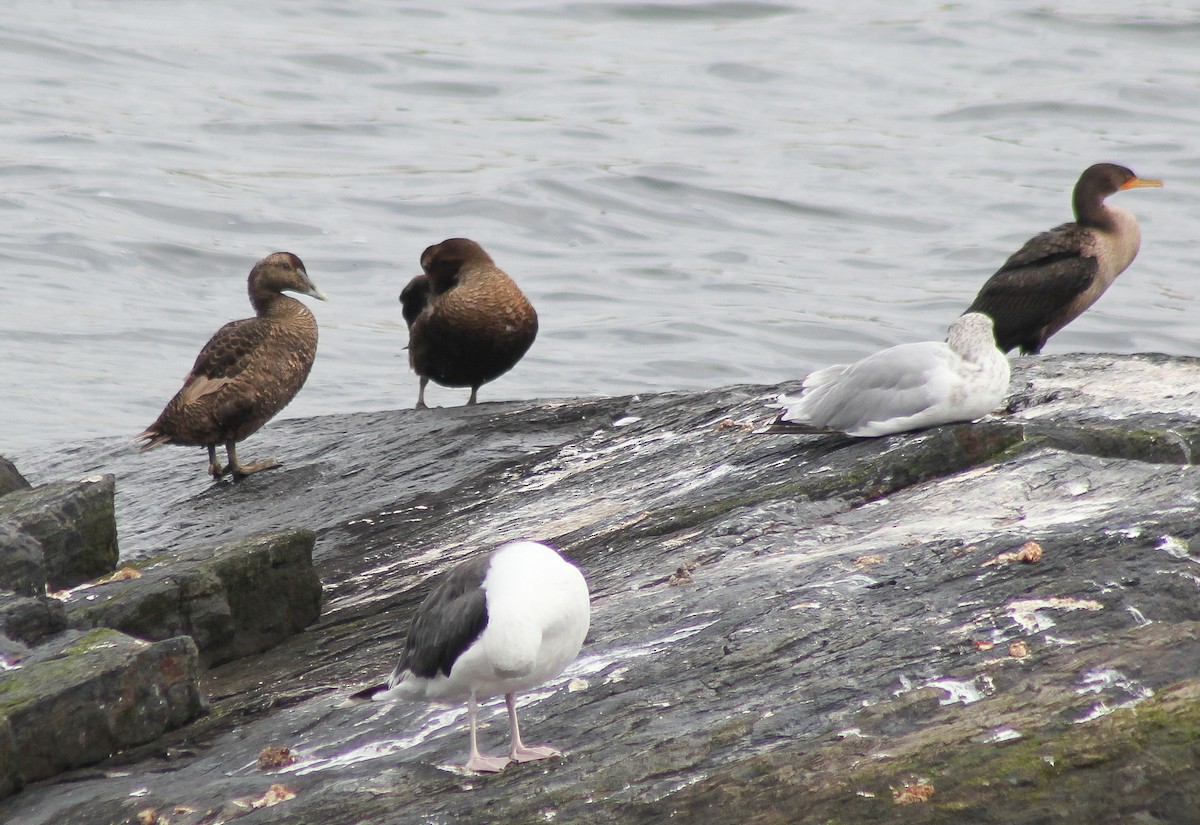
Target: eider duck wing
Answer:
[[1036, 284], [224, 357], [450, 619]]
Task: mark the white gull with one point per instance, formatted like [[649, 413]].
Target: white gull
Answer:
[[907, 387]]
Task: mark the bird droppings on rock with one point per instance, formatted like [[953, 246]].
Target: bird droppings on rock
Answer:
[[682, 574], [912, 792], [617, 675], [1018, 650], [275, 756], [1176, 548], [1030, 614], [868, 560], [962, 691], [1028, 553], [998, 736]]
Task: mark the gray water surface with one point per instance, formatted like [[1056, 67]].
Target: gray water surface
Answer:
[[692, 194]]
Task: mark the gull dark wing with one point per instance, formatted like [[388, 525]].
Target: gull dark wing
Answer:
[[1035, 287], [450, 619]]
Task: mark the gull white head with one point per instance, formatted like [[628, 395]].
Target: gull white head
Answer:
[[971, 336]]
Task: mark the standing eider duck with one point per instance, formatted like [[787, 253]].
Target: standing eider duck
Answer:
[[468, 322], [247, 372], [1058, 274], [907, 387], [497, 624]]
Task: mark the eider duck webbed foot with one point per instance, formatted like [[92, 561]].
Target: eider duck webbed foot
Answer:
[[214, 466], [235, 468], [239, 470]]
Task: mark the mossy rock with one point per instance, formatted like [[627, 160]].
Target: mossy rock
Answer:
[[233, 599], [103, 692]]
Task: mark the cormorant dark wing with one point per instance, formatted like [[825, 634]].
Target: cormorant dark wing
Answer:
[[1035, 286]]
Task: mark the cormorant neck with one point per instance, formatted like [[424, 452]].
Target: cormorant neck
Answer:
[[1090, 209]]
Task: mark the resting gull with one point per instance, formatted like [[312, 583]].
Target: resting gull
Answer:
[[907, 387], [499, 623]]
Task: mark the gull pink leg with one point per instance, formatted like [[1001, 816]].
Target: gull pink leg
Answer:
[[477, 761], [520, 752]]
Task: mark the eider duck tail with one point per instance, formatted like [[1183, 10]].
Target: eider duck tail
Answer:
[[153, 439]]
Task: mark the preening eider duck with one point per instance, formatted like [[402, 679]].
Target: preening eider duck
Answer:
[[247, 372], [499, 623], [1058, 274], [468, 322], [907, 387]]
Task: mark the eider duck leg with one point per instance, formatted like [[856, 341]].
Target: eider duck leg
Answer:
[[520, 752], [421, 405], [239, 470], [477, 761], [214, 467]]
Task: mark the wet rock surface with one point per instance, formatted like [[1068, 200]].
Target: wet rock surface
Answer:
[[74, 524], [233, 599], [785, 628]]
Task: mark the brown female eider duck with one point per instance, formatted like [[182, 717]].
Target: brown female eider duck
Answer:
[[247, 372], [1058, 274], [468, 323]]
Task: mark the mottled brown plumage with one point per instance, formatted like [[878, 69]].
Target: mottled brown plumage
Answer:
[[468, 323], [247, 372], [1058, 274]]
